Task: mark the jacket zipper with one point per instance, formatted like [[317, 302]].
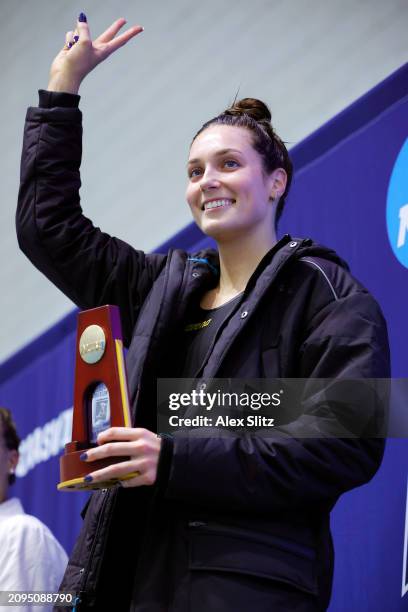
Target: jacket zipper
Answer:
[[275, 541], [85, 572], [226, 348]]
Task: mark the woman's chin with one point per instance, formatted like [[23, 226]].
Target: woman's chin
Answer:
[[220, 232]]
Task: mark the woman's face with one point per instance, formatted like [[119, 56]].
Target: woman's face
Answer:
[[8, 461], [226, 190]]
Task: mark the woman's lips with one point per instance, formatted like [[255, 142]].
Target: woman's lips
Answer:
[[218, 204]]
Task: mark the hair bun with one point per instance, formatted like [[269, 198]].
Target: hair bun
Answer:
[[252, 107]]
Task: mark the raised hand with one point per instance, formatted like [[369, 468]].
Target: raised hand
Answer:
[[81, 54]]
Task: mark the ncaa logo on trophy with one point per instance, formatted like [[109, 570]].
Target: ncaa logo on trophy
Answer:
[[397, 207]]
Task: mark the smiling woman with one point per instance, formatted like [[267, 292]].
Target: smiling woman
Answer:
[[203, 523], [239, 174]]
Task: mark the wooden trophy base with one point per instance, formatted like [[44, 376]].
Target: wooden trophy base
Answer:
[[72, 464]]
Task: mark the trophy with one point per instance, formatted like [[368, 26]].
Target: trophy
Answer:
[[101, 398]]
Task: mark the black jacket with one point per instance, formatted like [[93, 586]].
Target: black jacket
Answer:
[[227, 517]]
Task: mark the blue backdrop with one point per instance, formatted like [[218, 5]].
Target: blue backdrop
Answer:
[[350, 192]]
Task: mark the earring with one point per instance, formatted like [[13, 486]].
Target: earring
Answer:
[[272, 198]]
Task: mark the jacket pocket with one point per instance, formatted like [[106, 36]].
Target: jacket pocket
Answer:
[[231, 549]]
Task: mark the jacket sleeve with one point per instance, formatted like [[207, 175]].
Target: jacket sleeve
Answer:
[[89, 266], [303, 465]]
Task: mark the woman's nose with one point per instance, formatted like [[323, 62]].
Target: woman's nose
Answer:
[[209, 181]]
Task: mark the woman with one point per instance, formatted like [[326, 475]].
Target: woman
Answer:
[[31, 559], [221, 523]]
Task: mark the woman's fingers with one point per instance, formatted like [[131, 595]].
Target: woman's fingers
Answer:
[[121, 433], [121, 40], [111, 31], [113, 449], [125, 469], [69, 36], [141, 446], [135, 480], [83, 30], [93, 52]]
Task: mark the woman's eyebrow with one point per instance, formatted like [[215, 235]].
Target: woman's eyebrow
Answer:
[[217, 154]]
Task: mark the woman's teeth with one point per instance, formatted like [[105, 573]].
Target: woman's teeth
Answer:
[[217, 204]]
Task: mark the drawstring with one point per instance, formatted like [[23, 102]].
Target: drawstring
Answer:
[[203, 260]]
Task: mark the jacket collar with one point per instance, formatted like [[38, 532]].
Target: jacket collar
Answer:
[[261, 280], [206, 263]]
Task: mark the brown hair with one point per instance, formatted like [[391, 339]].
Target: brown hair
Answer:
[[255, 116], [10, 435]]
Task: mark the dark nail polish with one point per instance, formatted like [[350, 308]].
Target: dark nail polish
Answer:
[[83, 457], [69, 45], [88, 478], [76, 38], [82, 17]]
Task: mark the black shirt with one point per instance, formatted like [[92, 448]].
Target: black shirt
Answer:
[[200, 333]]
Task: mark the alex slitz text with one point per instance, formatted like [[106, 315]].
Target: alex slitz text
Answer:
[[221, 421]]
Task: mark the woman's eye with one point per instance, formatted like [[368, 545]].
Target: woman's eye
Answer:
[[191, 174], [227, 161]]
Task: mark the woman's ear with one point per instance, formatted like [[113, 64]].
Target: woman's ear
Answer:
[[278, 181], [13, 457]]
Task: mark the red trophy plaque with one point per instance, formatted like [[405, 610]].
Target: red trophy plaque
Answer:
[[100, 395]]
